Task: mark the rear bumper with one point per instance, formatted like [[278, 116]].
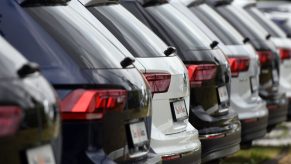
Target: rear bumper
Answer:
[[217, 148], [278, 109], [151, 158], [175, 144], [193, 157], [85, 142], [253, 128]]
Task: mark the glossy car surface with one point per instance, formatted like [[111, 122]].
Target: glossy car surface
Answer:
[[73, 55], [245, 81], [29, 112], [171, 134], [283, 45], [269, 76], [207, 113]]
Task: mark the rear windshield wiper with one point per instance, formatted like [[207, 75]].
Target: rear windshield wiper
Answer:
[[27, 69], [169, 51]]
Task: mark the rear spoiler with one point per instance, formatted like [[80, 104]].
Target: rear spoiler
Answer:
[[43, 2], [252, 4], [97, 2], [196, 3], [148, 2], [217, 3]]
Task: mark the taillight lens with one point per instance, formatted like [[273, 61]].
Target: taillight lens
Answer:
[[238, 64], [199, 73], [265, 56], [92, 104], [159, 82], [10, 118], [285, 54]]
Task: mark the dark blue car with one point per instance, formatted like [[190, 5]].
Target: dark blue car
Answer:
[[105, 101]]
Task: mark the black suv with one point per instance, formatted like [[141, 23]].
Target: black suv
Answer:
[[106, 102], [209, 74], [29, 112]]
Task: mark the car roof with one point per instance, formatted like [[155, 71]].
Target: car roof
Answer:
[[244, 3]]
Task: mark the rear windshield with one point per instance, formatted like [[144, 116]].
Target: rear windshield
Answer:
[[243, 22], [270, 26], [139, 40], [180, 27], [80, 39], [10, 60], [222, 29]]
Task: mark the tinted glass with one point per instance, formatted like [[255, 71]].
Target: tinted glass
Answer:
[[78, 37], [179, 26], [222, 29], [243, 22], [139, 40], [284, 26], [270, 26], [10, 60]]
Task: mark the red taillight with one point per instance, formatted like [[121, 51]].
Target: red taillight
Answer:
[[10, 118], [265, 56], [285, 54], [250, 120], [211, 136], [199, 73], [92, 104], [238, 64], [171, 157], [159, 82]]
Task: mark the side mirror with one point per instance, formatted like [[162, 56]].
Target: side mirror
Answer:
[[169, 51], [27, 69]]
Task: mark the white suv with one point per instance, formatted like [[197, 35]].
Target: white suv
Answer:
[[172, 136], [281, 42]]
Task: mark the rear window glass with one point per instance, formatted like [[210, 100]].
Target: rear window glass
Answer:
[[222, 29], [78, 37], [180, 27], [243, 22], [139, 40], [270, 26]]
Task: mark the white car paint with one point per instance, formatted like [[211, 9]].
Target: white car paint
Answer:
[[283, 42], [167, 137], [246, 102]]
